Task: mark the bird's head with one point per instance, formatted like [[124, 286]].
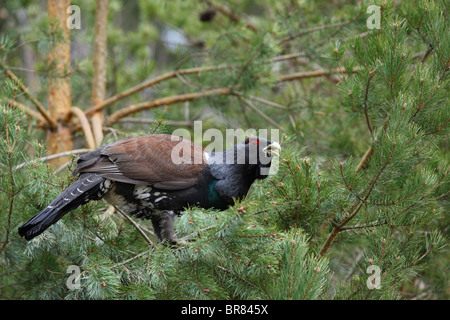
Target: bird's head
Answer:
[[256, 154]]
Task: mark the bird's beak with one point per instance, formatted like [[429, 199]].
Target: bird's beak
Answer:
[[274, 148]]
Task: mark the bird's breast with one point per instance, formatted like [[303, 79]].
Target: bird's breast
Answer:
[[213, 198]]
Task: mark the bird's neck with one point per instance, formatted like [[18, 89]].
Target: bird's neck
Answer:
[[230, 180], [233, 161]]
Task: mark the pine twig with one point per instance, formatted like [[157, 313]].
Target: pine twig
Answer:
[[366, 97], [365, 159], [236, 276], [362, 226], [310, 285], [54, 156], [421, 257], [129, 260], [138, 228], [151, 121]]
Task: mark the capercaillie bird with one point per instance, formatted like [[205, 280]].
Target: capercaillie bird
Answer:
[[156, 176]]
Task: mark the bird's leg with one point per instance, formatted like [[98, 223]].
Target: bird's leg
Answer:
[[163, 226]]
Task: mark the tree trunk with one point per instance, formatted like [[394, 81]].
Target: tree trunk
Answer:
[[59, 91], [99, 80]]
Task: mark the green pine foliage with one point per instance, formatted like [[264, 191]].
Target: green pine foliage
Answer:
[[357, 210]]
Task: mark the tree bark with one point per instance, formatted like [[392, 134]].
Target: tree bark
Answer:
[[59, 94], [99, 80]]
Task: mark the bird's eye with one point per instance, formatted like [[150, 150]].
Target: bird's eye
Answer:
[[253, 140]]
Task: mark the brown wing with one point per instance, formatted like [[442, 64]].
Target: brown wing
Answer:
[[163, 161]]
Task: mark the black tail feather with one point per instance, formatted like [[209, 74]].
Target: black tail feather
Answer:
[[89, 186]]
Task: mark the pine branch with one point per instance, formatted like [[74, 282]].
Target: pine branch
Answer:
[[417, 28], [237, 276], [12, 184], [421, 257], [440, 128], [427, 193], [355, 208]]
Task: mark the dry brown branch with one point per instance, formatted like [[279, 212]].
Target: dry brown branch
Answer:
[[131, 259], [150, 121], [291, 56], [189, 96], [319, 28], [149, 83], [51, 122], [85, 126], [55, 156], [116, 116], [171, 75], [262, 114], [41, 120], [268, 102], [364, 161], [193, 96], [314, 74]]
